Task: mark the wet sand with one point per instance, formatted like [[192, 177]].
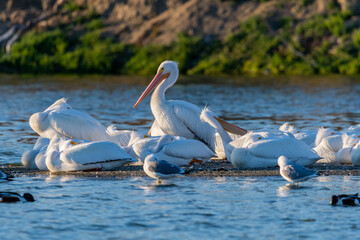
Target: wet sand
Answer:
[[215, 168]]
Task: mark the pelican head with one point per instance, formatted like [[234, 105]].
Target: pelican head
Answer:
[[169, 71], [60, 104]]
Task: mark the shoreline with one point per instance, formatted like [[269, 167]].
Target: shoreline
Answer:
[[215, 168]]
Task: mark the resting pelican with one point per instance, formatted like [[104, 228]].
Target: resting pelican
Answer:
[[337, 148], [28, 157], [66, 155], [262, 149], [175, 117], [310, 137], [61, 120], [174, 149], [160, 169]]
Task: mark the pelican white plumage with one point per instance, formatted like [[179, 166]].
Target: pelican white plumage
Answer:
[[61, 120], [310, 137], [337, 148], [174, 149], [177, 118], [66, 155], [28, 157], [355, 155], [262, 149]]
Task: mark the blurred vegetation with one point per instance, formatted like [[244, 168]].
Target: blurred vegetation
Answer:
[[323, 44]]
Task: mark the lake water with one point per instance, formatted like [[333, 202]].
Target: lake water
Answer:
[[186, 208]]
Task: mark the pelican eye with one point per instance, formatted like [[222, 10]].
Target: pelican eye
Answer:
[[259, 138], [146, 136], [298, 132], [332, 133], [172, 139], [161, 70], [358, 136], [73, 143], [68, 107]]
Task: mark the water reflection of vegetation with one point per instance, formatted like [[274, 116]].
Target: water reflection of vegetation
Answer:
[[321, 45]]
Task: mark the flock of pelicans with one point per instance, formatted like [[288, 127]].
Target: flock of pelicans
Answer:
[[182, 134]]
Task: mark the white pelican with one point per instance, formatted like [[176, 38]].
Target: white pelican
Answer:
[[66, 155], [61, 120], [293, 172], [262, 149], [177, 118], [160, 169], [355, 155], [310, 137], [337, 148], [174, 149], [28, 157], [7, 197]]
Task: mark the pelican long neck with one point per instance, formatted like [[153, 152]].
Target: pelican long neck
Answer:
[[225, 138], [158, 96]]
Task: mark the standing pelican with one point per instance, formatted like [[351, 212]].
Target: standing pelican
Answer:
[[175, 117]]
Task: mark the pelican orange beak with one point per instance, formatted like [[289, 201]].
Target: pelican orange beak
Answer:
[[153, 84], [231, 128]]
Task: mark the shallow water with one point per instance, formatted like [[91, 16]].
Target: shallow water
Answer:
[[183, 208], [189, 208]]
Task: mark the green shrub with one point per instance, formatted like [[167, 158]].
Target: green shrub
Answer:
[[335, 24], [356, 38]]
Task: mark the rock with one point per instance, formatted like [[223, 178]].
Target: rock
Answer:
[[22, 4], [47, 4], [350, 5]]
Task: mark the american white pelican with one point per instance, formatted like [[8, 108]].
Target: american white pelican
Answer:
[[337, 148], [61, 120], [160, 169], [174, 149], [355, 155], [345, 200], [262, 149], [155, 130], [310, 137], [7, 197], [28, 157], [66, 155], [177, 118], [293, 172]]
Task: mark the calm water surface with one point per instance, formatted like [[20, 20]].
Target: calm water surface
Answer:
[[187, 208]]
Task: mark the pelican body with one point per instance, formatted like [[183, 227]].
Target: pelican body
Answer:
[[174, 149], [177, 118], [65, 155], [261, 149]]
